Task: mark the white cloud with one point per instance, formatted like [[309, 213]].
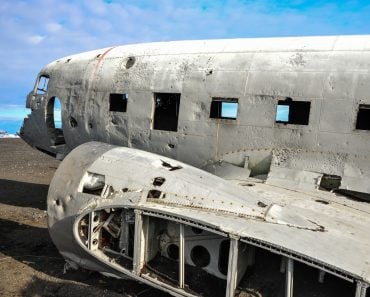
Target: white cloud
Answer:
[[35, 39], [53, 27]]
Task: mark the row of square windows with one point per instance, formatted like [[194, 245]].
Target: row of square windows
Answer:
[[287, 111], [167, 109]]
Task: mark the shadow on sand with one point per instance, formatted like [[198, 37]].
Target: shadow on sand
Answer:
[[32, 246], [23, 194]]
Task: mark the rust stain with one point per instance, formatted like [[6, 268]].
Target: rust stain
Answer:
[[101, 58]]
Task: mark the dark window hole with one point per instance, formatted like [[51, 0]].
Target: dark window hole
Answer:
[[363, 117], [118, 102], [166, 111], [73, 122], [293, 112], [154, 194], [173, 251], [57, 202], [158, 181], [200, 256]]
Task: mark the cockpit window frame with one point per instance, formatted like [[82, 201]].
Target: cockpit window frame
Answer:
[[44, 89]]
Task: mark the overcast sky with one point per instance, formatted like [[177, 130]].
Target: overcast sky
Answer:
[[33, 33]]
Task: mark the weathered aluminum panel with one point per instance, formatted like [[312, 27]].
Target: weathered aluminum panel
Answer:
[[333, 234]]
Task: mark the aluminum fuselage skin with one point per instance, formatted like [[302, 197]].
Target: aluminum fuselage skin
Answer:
[[332, 74]]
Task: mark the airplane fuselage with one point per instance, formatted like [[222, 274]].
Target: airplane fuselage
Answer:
[[296, 110], [110, 95]]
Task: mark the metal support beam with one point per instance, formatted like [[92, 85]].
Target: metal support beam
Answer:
[[321, 276], [361, 289], [289, 277], [182, 257], [232, 270], [93, 237], [139, 243]]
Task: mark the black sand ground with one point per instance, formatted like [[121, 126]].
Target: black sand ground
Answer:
[[30, 265]]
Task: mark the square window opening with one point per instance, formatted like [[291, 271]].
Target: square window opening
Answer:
[[42, 85], [293, 112], [224, 108], [166, 111], [363, 117], [118, 102]]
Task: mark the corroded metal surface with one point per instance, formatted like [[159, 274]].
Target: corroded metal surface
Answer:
[[331, 235], [332, 73], [285, 186]]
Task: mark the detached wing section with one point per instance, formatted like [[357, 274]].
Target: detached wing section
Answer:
[[129, 213]]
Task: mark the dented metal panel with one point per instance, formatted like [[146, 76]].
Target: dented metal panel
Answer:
[[327, 71], [282, 172], [332, 235]]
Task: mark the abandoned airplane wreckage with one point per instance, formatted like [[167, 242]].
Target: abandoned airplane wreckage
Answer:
[[213, 168]]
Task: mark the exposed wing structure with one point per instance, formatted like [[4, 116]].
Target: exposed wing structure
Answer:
[[131, 213]]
